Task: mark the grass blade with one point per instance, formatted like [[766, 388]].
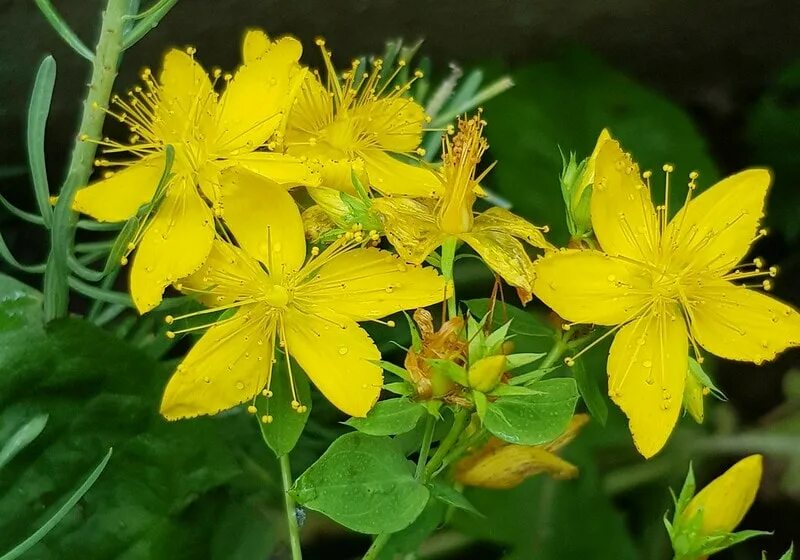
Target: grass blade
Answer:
[[28, 432]]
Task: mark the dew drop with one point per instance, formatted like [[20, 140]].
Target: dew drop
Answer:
[[342, 350]]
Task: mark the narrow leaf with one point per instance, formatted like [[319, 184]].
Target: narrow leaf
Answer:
[[38, 110], [57, 22], [149, 21], [26, 433]]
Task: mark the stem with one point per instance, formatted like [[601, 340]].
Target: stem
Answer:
[[459, 423], [104, 71], [427, 438], [448, 258], [377, 545], [289, 506], [556, 351]]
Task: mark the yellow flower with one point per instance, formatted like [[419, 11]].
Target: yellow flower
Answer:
[[500, 465], [208, 132], [416, 227], [357, 123], [725, 501], [309, 306], [663, 284]]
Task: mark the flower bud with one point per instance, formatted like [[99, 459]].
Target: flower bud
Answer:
[[724, 502], [485, 374], [576, 187]]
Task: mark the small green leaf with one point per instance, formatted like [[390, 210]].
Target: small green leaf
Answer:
[[687, 492], [25, 434], [515, 361], [531, 333], [38, 111], [287, 424], [416, 340], [364, 483], [399, 388], [395, 369], [449, 369], [789, 554], [590, 393], [389, 418], [533, 419], [452, 497]]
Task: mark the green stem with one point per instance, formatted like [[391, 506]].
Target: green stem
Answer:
[[104, 71], [448, 259], [459, 423], [556, 351], [289, 506], [425, 448], [377, 545]]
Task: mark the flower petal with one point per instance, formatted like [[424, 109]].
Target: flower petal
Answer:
[[394, 124], [591, 287], [364, 284], [505, 255], [265, 220], [283, 169], [337, 355], [737, 323], [119, 197], [647, 369], [252, 106], [229, 365], [714, 232], [175, 244], [623, 217], [410, 226], [500, 219], [255, 44], [186, 101], [391, 176], [312, 111]]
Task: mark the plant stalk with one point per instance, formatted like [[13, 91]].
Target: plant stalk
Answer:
[[289, 506], [448, 260], [459, 423], [104, 71], [425, 448]]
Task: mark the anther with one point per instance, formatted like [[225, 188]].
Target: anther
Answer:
[[295, 404], [302, 409], [773, 271], [170, 334], [569, 361], [390, 323], [169, 319], [767, 285], [267, 393], [252, 409], [267, 419], [668, 168]]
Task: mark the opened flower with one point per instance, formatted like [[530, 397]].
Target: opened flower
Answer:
[[272, 293], [663, 284], [416, 227], [359, 122], [208, 133], [500, 465]]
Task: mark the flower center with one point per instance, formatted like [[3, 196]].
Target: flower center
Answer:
[[277, 296]]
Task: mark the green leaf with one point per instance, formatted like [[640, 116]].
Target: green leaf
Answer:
[[449, 369], [63, 29], [687, 492], [409, 539], [534, 419], [364, 483], [287, 424], [149, 21], [529, 123], [244, 532], [531, 334], [38, 111], [25, 434], [789, 554], [389, 418], [590, 392], [452, 497], [70, 503], [515, 361]]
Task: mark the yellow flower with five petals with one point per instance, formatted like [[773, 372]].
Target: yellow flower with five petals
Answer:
[[311, 307], [665, 283], [416, 227], [208, 132], [359, 123]]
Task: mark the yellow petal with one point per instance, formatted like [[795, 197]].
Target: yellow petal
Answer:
[[311, 113], [737, 323], [714, 232], [587, 178], [119, 197], [229, 365], [647, 370], [228, 275], [623, 217], [727, 498], [175, 244], [576, 423], [394, 124], [186, 100], [265, 220], [505, 255], [364, 284], [500, 219], [391, 176], [255, 44], [501, 466], [338, 357], [591, 287], [335, 166], [250, 109], [283, 169], [410, 226]]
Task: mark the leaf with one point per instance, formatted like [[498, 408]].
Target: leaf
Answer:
[[452, 497], [529, 123], [287, 424], [389, 418], [789, 554], [450, 370], [364, 483], [25, 434], [531, 334], [533, 419], [243, 532], [590, 392], [409, 539], [38, 111]]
